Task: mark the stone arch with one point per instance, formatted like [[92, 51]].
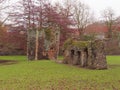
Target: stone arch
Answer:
[[77, 58]]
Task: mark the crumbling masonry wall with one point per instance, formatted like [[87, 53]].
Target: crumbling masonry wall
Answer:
[[89, 54], [48, 43]]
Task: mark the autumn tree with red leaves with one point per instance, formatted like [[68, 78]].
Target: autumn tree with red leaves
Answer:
[[36, 16]]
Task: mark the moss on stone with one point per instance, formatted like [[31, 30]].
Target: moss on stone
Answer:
[[80, 44], [67, 43], [74, 43], [48, 34], [97, 43]]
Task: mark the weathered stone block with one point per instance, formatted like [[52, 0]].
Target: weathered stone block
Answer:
[[90, 54]]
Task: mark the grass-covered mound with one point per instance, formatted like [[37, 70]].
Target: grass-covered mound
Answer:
[[48, 75]]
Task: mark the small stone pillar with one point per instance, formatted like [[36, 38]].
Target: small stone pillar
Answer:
[[99, 55]]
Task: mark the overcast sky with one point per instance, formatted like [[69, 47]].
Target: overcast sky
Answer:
[[97, 6]]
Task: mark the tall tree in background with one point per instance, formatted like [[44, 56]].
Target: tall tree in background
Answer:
[[9, 41], [56, 16], [25, 15], [39, 20], [82, 17], [38, 15], [65, 11], [28, 16], [3, 7], [109, 18]]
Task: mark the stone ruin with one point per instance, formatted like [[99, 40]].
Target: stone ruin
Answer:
[[48, 42], [88, 54]]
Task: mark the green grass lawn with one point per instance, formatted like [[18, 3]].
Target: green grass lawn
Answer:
[[48, 75]]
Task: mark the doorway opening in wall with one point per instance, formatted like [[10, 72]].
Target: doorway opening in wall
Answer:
[[72, 53], [85, 56], [78, 57], [86, 52]]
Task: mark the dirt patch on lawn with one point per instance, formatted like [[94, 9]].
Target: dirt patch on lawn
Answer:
[[8, 62]]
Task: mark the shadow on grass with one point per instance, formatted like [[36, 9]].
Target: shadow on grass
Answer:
[[8, 62], [114, 66]]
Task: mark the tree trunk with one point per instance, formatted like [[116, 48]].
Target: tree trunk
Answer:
[[58, 42], [37, 45], [28, 44]]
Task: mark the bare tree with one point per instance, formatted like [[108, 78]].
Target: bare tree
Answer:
[[82, 17], [29, 13], [65, 13], [1, 4], [109, 19], [40, 21], [68, 6], [3, 7]]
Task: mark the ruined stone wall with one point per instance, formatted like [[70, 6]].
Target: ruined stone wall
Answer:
[[90, 54], [47, 48], [31, 44]]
